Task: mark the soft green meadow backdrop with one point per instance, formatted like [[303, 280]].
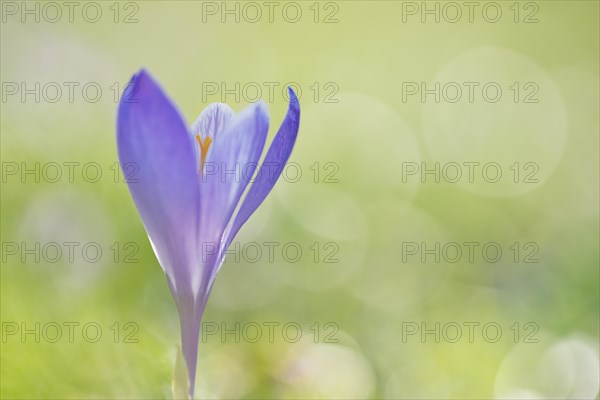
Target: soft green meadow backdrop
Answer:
[[388, 299]]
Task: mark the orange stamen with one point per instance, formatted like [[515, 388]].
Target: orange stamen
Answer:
[[203, 149]]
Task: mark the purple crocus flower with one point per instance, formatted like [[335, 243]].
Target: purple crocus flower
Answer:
[[185, 208]]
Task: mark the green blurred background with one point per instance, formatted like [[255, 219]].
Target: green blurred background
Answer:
[[354, 62]]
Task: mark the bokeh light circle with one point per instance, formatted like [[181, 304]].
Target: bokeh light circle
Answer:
[[497, 108]]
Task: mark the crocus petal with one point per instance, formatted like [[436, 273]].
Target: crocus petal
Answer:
[[271, 168], [212, 120], [209, 124], [152, 137], [230, 165]]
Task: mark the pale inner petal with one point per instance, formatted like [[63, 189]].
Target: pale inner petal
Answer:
[[212, 121]]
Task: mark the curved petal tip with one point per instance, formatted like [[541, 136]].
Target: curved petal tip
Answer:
[[277, 155], [293, 97], [294, 107]]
